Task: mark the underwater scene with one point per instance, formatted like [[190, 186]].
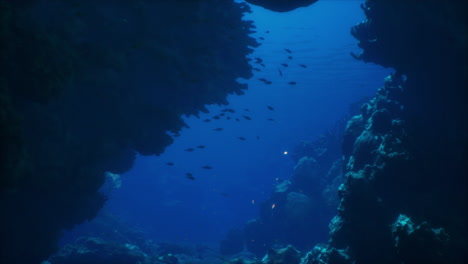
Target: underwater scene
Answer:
[[233, 132]]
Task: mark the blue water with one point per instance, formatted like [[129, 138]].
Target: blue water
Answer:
[[167, 206]]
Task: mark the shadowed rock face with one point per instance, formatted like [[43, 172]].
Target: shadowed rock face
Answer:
[[281, 5], [84, 87], [404, 197]]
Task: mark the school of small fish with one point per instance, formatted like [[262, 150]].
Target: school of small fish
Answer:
[[226, 112]]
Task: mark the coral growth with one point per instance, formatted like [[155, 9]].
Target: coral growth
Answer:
[[86, 86]]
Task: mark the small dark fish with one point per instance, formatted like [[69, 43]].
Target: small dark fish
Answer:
[[218, 129], [247, 117], [258, 137], [280, 72], [206, 167], [228, 110], [288, 50], [207, 120], [222, 114], [261, 38], [256, 69], [216, 117], [270, 108], [189, 176], [241, 138], [237, 119], [170, 163], [246, 109], [292, 83], [189, 149], [201, 146], [268, 82], [263, 79], [284, 64], [270, 119], [303, 65], [258, 60], [228, 118], [176, 135], [268, 31], [290, 57], [224, 194], [263, 65]]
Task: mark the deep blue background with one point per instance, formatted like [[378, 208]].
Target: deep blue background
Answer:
[[167, 206]]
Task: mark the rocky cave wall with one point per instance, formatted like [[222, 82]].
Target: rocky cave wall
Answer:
[[85, 86], [404, 199]]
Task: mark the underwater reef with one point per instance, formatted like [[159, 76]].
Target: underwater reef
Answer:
[[85, 86], [404, 196], [300, 208]]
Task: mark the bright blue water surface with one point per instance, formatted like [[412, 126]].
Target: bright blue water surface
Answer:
[[162, 202]]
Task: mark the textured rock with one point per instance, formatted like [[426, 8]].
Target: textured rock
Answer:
[[95, 250], [282, 5], [405, 175], [85, 87], [419, 243], [287, 255]]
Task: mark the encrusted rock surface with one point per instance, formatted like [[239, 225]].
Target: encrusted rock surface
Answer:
[[405, 154], [86, 86]]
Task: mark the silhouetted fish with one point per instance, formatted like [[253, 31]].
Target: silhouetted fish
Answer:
[[270, 108], [216, 117], [268, 31], [224, 194], [258, 60], [228, 110], [241, 138], [263, 65], [303, 65], [247, 117], [201, 146], [237, 119], [170, 163], [222, 114], [218, 129], [246, 109], [292, 83], [288, 51], [256, 69], [176, 135], [290, 57], [189, 176], [189, 149], [228, 118], [284, 64], [261, 38], [258, 137], [263, 79], [280, 72], [270, 119], [268, 82], [206, 167], [207, 120]]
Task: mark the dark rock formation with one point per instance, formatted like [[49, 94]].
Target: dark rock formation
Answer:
[[95, 250], [85, 86], [404, 199], [287, 255], [299, 209], [281, 5]]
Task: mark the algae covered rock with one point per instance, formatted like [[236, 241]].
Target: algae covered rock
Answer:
[[84, 90], [287, 255]]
